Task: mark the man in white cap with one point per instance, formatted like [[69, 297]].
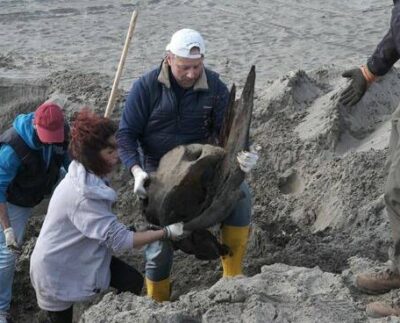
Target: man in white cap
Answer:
[[180, 102]]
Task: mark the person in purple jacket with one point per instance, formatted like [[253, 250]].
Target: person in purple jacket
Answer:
[[385, 55], [180, 102]]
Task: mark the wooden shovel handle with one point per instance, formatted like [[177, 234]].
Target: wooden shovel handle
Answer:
[[111, 100]]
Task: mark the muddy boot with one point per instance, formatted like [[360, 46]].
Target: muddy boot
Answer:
[[379, 309], [378, 283], [236, 239], [160, 291]]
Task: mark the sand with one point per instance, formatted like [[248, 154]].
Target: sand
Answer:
[[318, 188], [38, 37]]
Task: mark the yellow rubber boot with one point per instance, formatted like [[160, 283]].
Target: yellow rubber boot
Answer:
[[159, 291], [236, 239]]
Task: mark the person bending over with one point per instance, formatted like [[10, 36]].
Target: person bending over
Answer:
[[72, 260], [33, 158]]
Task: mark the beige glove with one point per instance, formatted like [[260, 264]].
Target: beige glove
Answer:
[[11, 242], [140, 178]]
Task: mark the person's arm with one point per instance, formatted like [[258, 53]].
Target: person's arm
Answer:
[[386, 54], [132, 124], [142, 238], [9, 164], [173, 232], [4, 220], [93, 220]]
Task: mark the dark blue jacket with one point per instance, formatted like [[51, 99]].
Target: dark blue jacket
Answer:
[[153, 122], [388, 50]]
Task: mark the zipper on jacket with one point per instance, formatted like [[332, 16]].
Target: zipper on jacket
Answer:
[[177, 108]]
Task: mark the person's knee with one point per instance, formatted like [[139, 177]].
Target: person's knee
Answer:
[[159, 251], [159, 256], [241, 215], [7, 258]]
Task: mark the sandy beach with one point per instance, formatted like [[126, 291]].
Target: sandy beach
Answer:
[[38, 37], [318, 212]]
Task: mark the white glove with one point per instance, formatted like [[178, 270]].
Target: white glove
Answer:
[[11, 242], [140, 178], [247, 160], [175, 231]]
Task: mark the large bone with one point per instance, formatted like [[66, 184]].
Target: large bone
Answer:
[[229, 177]]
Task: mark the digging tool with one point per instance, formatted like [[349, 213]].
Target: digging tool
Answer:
[[111, 100]]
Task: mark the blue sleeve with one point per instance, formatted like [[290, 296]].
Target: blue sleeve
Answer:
[[133, 123], [387, 52], [9, 164]]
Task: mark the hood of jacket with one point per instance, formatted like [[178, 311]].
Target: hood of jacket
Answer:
[[23, 124], [88, 184]]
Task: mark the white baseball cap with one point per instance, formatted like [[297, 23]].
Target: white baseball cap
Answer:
[[183, 41]]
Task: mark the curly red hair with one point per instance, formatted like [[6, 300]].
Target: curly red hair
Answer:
[[90, 133]]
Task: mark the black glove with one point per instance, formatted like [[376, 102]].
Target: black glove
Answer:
[[356, 89], [202, 244]]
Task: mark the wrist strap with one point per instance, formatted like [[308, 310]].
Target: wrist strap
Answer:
[[165, 235], [369, 77]]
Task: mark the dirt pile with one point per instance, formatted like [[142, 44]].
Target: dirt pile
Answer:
[[317, 202], [280, 293]]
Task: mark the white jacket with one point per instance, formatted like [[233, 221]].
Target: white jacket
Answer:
[[71, 259]]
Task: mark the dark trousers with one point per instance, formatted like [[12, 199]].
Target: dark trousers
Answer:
[[124, 278]]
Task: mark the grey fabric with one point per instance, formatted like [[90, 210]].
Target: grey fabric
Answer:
[[388, 50], [392, 190], [71, 259]]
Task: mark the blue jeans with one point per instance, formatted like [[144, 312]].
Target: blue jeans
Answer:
[[159, 254], [18, 218]]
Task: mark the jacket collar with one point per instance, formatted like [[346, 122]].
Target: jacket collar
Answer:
[[163, 77]]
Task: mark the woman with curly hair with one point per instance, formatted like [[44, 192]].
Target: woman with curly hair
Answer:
[[72, 260]]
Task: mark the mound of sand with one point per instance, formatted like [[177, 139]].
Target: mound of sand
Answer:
[[317, 203], [318, 213]]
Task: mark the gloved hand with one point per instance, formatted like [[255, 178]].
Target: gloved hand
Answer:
[[360, 79], [11, 242], [140, 178], [247, 160], [175, 231]]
